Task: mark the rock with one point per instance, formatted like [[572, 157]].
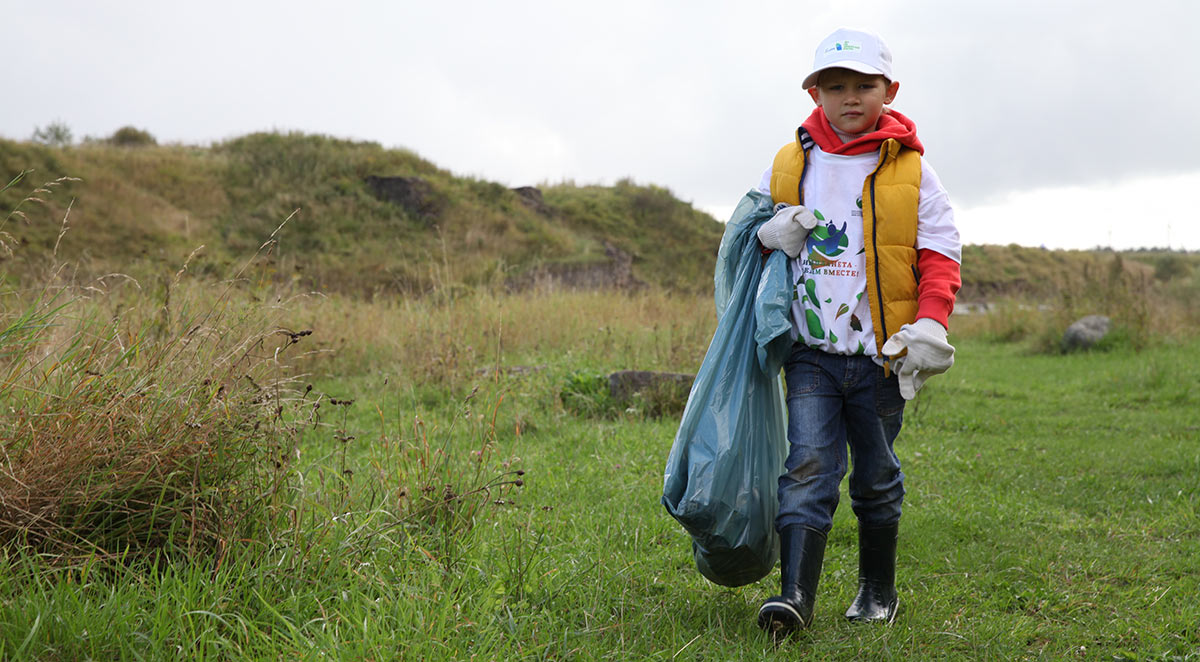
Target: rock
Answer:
[[414, 194], [623, 384], [1085, 332], [614, 273], [532, 197]]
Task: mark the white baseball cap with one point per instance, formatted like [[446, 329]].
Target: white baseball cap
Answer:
[[856, 50]]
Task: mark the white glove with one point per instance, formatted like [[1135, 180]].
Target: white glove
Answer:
[[928, 354], [787, 229]]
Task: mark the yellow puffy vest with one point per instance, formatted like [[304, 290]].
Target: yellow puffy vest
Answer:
[[890, 197]]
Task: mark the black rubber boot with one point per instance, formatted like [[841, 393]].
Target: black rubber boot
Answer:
[[877, 601], [801, 552]]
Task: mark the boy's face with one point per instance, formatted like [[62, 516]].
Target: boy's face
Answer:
[[852, 101]]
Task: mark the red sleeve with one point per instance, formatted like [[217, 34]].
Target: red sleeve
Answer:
[[940, 279]]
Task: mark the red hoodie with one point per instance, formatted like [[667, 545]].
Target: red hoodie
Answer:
[[891, 124], [940, 276]]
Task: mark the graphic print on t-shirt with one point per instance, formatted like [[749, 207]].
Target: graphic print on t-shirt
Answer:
[[825, 243], [830, 287]]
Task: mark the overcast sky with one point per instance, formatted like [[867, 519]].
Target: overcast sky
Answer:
[[1058, 123]]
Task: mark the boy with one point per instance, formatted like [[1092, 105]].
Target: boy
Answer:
[[876, 267]]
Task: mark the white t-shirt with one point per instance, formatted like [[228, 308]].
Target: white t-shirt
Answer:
[[830, 310]]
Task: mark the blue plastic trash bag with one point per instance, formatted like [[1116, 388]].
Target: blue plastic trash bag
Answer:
[[721, 476]]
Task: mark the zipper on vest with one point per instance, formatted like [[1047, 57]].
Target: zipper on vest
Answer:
[[875, 252], [800, 184]]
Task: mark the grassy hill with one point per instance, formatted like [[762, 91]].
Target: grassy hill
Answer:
[[366, 220]]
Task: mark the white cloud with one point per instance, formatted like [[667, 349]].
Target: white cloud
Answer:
[[1135, 213], [693, 96]]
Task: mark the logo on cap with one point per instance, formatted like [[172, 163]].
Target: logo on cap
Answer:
[[844, 46]]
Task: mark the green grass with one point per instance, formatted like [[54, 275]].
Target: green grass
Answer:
[[455, 485], [1052, 513]]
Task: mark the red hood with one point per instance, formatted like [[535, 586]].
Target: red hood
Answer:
[[892, 124]]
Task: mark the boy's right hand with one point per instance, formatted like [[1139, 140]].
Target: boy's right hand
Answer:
[[787, 229]]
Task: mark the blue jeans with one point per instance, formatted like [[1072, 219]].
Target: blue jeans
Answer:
[[835, 402]]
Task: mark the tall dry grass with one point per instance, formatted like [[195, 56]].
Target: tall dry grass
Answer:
[[136, 422], [446, 340], [124, 435], [1143, 308], [169, 418]]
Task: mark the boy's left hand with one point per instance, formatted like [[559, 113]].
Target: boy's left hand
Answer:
[[928, 354]]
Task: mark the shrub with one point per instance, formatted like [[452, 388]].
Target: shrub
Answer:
[[55, 134], [128, 136], [1172, 266]]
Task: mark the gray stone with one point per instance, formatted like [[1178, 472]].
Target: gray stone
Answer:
[[1086, 332], [414, 194], [532, 197], [615, 272], [624, 383]]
